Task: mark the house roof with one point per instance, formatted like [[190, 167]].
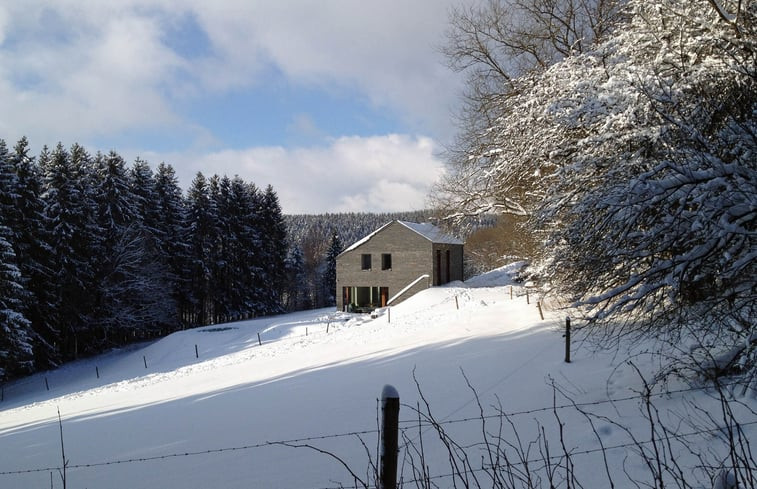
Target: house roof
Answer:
[[431, 232], [426, 229]]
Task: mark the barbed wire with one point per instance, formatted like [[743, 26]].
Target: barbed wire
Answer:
[[635, 444], [560, 406], [192, 453], [414, 422]]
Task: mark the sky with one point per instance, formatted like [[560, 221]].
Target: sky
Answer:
[[341, 105]]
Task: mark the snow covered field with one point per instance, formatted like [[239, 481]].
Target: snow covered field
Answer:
[[211, 404]]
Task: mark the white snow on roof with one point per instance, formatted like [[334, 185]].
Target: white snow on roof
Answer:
[[431, 232], [426, 229]]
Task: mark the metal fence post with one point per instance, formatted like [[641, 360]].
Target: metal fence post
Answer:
[[390, 411]]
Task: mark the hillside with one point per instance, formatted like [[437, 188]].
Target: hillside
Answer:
[[206, 407]]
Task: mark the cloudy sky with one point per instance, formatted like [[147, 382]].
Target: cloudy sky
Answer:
[[341, 105]]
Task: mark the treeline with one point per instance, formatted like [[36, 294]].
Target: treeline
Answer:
[[95, 254]]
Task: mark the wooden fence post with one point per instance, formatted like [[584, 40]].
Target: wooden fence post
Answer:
[[567, 340], [541, 314], [527, 299], [47, 384], [388, 314], [457, 304], [260, 343], [97, 371], [197, 353], [390, 410], [144, 359], [511, 292]]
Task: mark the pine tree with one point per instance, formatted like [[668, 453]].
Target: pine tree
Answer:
[[247, 265], [274, 249], [15, 330], [132, 295], [219, 300], [201, 219], [329, 275], [144, 195], [294, 293], [34, 255], [8, 186], [16, 354], [69, 212], [172, 237]]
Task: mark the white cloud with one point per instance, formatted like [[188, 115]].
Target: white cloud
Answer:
[[82, 70], [387, 50], [353, 174], [3, 24], [69, 77], [109, 67]]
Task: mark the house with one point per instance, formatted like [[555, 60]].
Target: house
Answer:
[[394, 262]]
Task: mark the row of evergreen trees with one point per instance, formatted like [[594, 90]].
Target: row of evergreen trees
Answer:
[[95, 254]]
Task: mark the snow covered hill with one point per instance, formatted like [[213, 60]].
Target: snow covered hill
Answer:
[[209, 407]]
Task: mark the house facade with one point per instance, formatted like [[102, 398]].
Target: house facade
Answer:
[[394, 262]]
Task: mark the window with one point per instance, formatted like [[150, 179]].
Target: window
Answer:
[[365, 262], [386, 261]]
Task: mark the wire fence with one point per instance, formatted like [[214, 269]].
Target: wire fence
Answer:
[[46, 382], [406, 426]]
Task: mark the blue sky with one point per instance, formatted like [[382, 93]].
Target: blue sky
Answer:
[[341, 105]]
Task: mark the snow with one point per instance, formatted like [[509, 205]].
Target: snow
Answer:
[[407, 287], [431, 232], [218, 420], [425, 229]]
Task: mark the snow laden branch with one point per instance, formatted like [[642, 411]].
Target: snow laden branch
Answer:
[[636, 160]]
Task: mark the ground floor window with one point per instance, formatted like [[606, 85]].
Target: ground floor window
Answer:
[[365, 299]]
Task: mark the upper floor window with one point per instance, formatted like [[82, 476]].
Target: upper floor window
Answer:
[[386, 261], [365, 262]]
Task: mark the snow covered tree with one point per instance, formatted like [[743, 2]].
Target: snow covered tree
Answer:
[[329, 274], [636, 161], [142, 190], [133, 296], [245, 248], [221, 281], [33, 254], [8, 184], [502, 46], [293, 298], [70, 216], [172, 236], [274, 249], [202, 240], [656, 203], [16, 354]]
